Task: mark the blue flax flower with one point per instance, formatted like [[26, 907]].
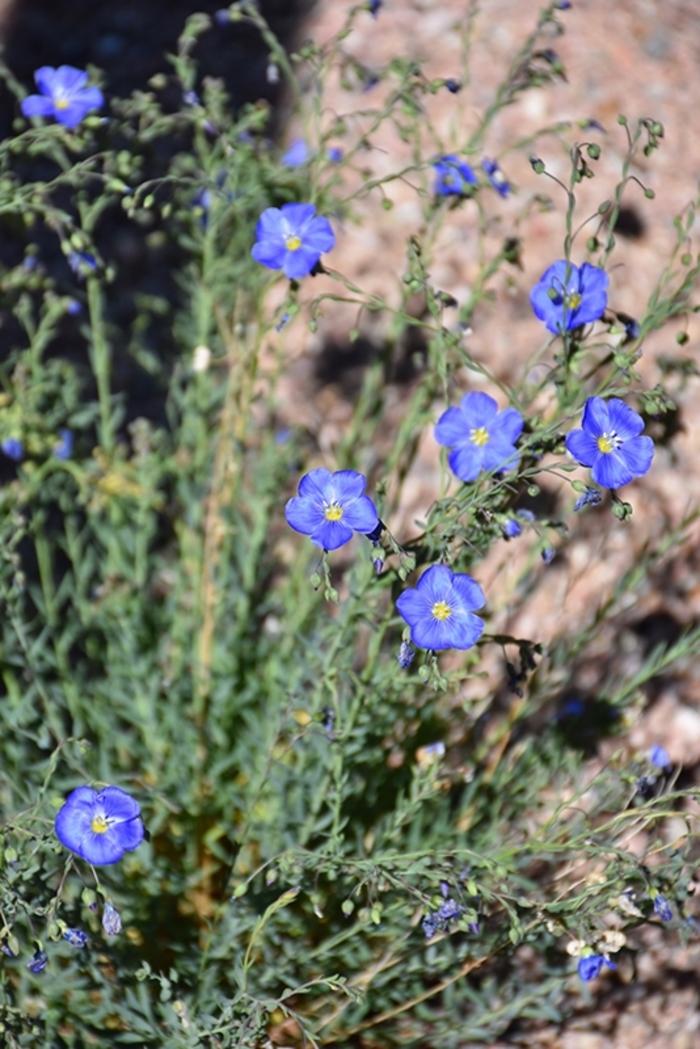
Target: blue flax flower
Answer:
[[292, 238], [330, 507], [440, 609], [610, 442], [496, 177], [590, 966], [566, 297], [100, 827], [454, 177], [482, 438], [63, 96]]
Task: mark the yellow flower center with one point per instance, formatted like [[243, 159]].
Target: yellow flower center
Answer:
[[606, 443], [61, 103], [572, 300], [99, 824], [333, 512], [441, 610], [292, 242], [479, 437]]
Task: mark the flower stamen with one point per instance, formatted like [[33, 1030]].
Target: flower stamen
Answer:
[[333, 512], [292, 242], [441, 610], [608, 442], [479, 436], [99, 824]]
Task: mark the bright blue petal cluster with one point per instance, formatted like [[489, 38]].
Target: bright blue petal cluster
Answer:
[[330, 507], [590, 966], [610, 443], [453, 177], [482, 438], [63, 95], [496, 177], [566, 297], [292, 238], [100, 827], [440, 610]]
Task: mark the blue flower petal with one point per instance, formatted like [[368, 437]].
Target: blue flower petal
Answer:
[[451, 428], [479, 409], [37, 106], [436, 584], [623, 420], [74, 818], [304, 516], [331, 534], [320, 235], [299, 263], [348, 484], [499, 455], [361, 515], [582, 446], [101, 849], [466, 462], [596, 417], [317, 484], [269, 253], [611, 471], [508, 425], [637, 454], [297, 215], [470, 593], [118, 804]]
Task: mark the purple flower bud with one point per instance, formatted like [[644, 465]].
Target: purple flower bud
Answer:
[[547, 555], [40, 960], [511, 528], [662, 908], [590, 966], [405, 656], [591, 497], [75, 937], [111, 919], [449, 910], [453, 86], [429, 926]]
